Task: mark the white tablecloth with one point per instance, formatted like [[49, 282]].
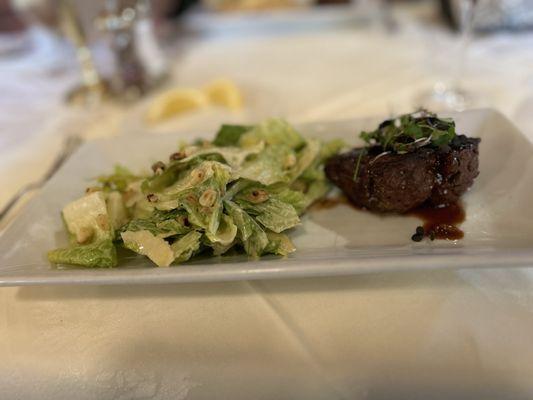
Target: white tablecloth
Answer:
[[438, 335]]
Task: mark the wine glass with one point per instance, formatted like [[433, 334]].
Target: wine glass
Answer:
[[450, 94]]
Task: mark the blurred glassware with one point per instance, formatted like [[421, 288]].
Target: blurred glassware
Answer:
[[449, 94], [48, 22], [93, 88], [494, 14], [13, 43], [120, 32], [139, 61], [39, 12], [41, 42], [13, 36]]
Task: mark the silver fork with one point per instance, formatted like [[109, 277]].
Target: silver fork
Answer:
[[70, 144]]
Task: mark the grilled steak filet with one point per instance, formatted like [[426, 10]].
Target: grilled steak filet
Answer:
[[400, 182]]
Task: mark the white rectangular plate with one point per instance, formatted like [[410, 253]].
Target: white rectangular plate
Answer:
[[341, 240]]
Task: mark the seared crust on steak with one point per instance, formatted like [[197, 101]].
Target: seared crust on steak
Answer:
[[388, 182]]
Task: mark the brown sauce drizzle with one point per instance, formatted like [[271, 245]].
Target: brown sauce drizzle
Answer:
[[442, 223], [439, 222]]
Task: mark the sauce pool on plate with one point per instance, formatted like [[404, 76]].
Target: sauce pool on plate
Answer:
[[438, 222], [442, 222]]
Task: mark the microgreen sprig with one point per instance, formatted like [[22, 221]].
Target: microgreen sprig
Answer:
[[411, 131], [407, 133]]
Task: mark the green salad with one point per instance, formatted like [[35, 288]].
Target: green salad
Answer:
[[240, 192]]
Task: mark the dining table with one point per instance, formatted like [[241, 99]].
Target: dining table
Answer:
[[427, 334]]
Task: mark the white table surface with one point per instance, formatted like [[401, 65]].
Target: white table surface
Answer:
[[438, 335]]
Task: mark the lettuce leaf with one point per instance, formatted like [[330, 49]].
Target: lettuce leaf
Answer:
[[226, 233], [295, 198], [162, 224], [315, 171], [219, 249], [272, 131], [203, 202], [279, 243], [233, 156], [118, 180], [157, 183], [142, 208], [171, 227], [95, 255], [273, 214], [305, 158], [316, 190], [207, 218], [268, 167], [330, 148], [186, 246], [207, 172], [252, 237], [229, 135]]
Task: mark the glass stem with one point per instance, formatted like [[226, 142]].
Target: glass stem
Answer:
[[74, 31], [466, 19]]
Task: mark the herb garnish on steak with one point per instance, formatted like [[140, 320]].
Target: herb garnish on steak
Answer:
[[414, 159]]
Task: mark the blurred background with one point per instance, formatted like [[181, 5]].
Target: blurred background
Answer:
[[110, 67]]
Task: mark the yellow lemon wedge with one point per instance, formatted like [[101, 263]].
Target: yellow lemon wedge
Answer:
[[173, 102], [224, 92]]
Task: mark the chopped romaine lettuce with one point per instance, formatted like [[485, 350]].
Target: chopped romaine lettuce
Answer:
[[161, 223], [185, 247], [99, 254], [160, 181], [199, 194], [241, 191], [208, 172], [274, 132], [295, 198], [229, 135], [172, 227], [315, 170], [118, 180], [305, 158], [140, 224], [225, 235], [270, 166], [272, 213], [315, 191], [330, 148], [233, 156], [252, 237], [279, 243]]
